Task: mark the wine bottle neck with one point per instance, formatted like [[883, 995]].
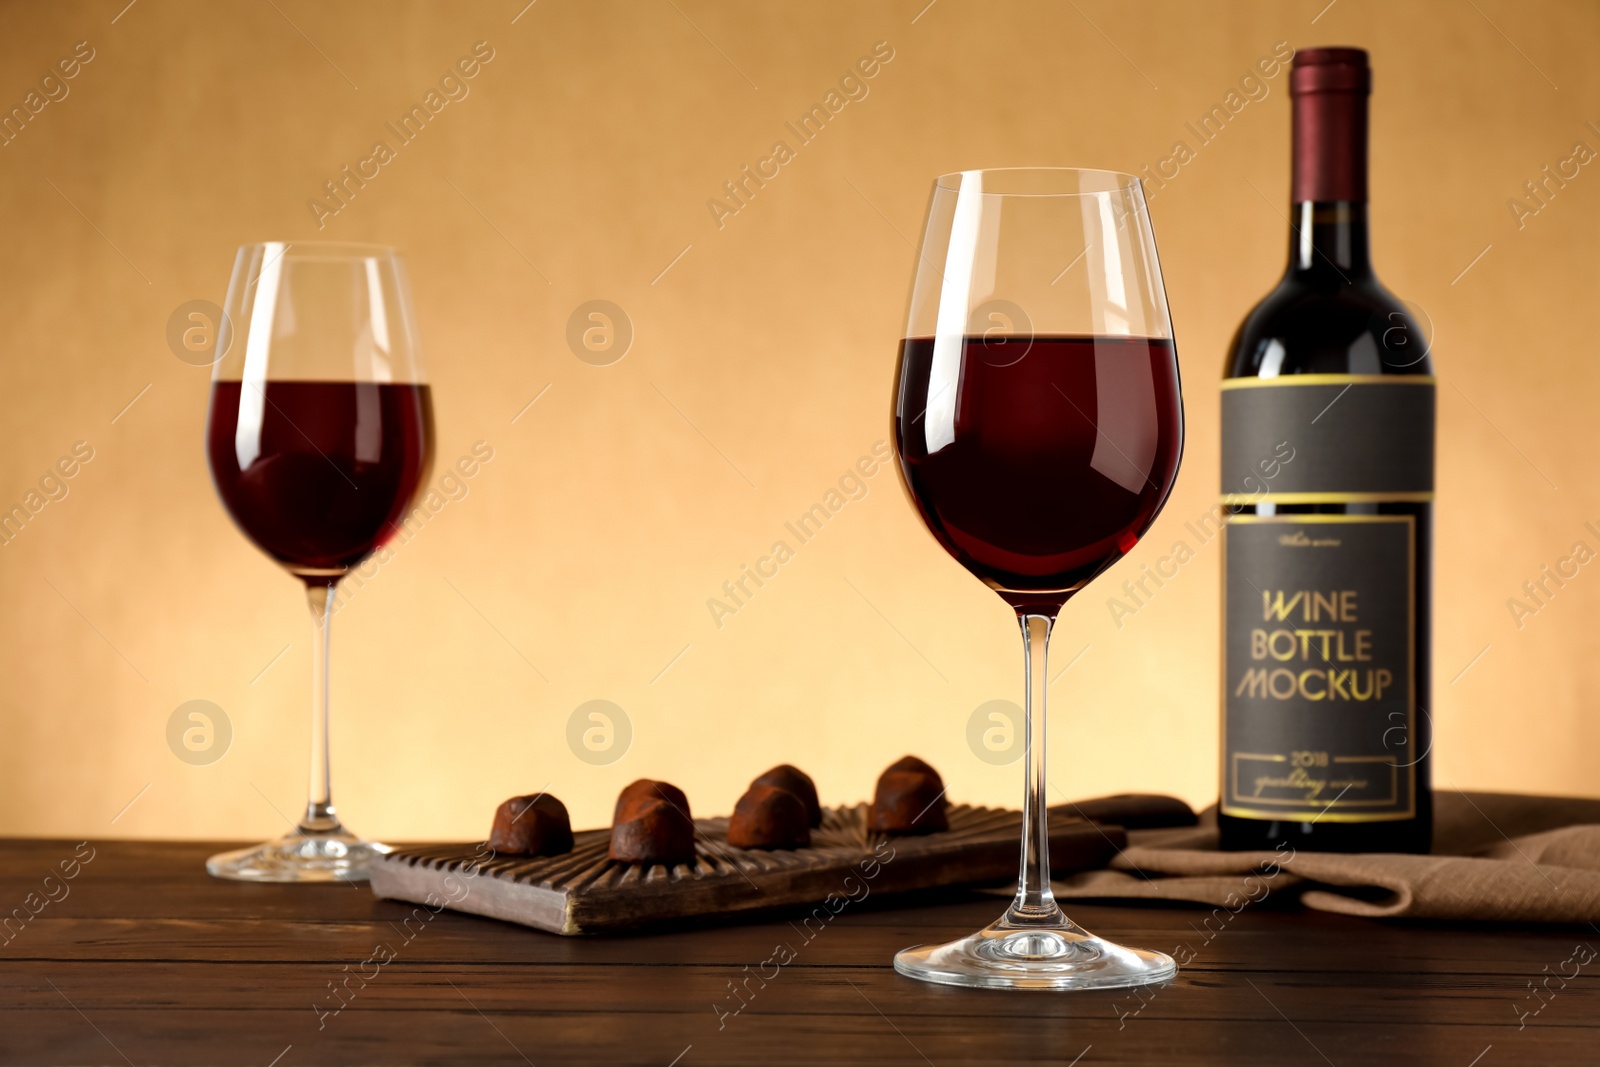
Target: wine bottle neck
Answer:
[[1328, 239], [1329, 88]]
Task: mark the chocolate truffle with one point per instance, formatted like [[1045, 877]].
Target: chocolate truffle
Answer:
[[647, 789], [651, 831], [909, 800], [534, 825], [912, 764], [769, 817], [798, 782]]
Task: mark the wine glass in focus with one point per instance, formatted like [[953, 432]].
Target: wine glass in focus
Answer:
[[319, 435], [1038, 423]]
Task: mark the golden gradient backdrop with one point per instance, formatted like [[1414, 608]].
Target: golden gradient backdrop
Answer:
[[580, 560]]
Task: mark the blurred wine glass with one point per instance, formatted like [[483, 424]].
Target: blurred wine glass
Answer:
[[319, 435]]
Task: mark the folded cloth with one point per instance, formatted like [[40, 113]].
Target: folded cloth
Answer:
[[1496, 857]]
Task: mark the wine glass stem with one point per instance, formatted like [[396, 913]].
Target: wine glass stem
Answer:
[[1035, 904], [320, 817]]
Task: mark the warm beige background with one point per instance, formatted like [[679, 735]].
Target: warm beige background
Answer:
[[592, 541]]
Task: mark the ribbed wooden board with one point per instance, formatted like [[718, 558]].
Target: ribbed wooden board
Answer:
[[586, 892]]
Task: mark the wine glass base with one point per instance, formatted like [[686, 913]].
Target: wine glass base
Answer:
[[335, 856], [1057, 956]]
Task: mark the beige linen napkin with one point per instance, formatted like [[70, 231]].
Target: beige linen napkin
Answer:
[[1496, 857]]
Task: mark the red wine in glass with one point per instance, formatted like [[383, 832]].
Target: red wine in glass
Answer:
[[1060, 457], [318, 474]]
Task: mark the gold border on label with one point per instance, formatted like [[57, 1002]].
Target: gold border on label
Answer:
[[1327, 498], [1328, 813], [1328, 379]]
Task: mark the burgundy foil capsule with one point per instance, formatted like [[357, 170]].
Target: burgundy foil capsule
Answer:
[[1329, 88]]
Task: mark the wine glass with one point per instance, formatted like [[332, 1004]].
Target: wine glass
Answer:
[[320, 433], [1038, 422]]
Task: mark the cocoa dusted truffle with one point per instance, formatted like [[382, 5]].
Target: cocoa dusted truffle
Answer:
[[909, 800], [648, 789], [652, 825], [769, 817], [911, 764], [534, 825], [792, 779]]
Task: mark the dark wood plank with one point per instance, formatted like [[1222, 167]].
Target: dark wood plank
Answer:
[[456, 1037], [584, 891], [148, 960], [1264, 942], [403, 985]]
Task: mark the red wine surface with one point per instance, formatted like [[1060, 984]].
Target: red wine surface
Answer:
[[318, 474], [1038, 464]]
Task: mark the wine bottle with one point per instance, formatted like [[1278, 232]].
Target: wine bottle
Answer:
[[1327, 493]]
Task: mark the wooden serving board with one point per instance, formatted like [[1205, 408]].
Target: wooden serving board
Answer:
[[587, 892]]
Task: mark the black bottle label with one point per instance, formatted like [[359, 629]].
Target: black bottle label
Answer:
[[1318, 667], [1355, 438]]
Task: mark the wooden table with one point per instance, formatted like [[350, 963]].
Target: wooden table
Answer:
[[147, 960]]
